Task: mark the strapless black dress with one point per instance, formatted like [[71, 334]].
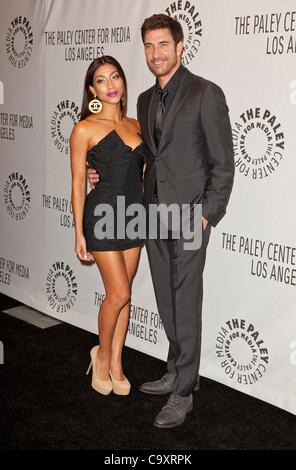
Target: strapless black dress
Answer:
[[121, 169]]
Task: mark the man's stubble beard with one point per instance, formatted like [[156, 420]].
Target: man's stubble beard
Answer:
[[162, 74]]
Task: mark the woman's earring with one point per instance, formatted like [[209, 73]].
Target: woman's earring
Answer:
[[95, 106]]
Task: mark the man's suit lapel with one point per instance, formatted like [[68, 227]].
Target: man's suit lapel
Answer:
[[179, 97]]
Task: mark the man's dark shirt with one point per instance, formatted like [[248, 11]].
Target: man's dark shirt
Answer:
[[171, 87]]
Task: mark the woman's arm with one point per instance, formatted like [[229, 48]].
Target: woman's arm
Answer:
[[78, 147]]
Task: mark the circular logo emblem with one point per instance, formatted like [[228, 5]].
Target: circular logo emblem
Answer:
[[241, 351], [187, 14], [259, 143], [17, 197], [61, 287], [65, 115], [19, 42]]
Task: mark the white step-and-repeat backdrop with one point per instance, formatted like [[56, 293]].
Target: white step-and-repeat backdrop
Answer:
[[249, 49]]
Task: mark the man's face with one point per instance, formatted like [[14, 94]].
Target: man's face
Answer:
[[163, 57]]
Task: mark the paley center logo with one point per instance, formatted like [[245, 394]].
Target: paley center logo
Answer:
[[259, 143], [17, 196], [242, 352], [64, 116], [19, 42], [187, 14], [61, 287]]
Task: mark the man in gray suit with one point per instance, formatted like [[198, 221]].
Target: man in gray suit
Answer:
[[185, 126], [189, 161]]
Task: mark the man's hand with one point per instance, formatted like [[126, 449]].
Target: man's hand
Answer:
[[93, 177]]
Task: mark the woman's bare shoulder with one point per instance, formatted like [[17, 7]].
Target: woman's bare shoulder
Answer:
[[134, 122], [83, 129]]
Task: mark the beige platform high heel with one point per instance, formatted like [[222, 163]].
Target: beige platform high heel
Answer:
[[102, 386], [120, 387]]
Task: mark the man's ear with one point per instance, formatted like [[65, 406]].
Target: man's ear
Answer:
[[180, 48]]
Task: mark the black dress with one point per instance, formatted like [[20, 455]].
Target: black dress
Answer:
[[121, 169]]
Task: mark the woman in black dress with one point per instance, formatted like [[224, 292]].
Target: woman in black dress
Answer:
[[110, 142]]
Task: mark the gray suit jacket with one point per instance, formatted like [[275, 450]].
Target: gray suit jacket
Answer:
[[194, 160]]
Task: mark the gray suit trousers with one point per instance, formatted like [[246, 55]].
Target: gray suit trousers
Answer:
[[177, 276]]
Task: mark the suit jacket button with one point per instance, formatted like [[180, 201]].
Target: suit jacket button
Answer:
[[157, 156]]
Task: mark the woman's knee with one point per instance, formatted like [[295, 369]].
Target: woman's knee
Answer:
[[119, 298]]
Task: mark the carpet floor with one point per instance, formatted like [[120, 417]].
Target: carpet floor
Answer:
[[47, 401]]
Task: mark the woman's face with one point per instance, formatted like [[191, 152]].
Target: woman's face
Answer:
[[108, 85]]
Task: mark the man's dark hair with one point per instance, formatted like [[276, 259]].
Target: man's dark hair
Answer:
[[161, 21]]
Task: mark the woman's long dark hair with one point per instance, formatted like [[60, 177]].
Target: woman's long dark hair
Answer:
[[87, 95]]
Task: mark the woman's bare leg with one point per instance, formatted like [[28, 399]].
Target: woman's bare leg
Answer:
[[117, 288], [131, 258]]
